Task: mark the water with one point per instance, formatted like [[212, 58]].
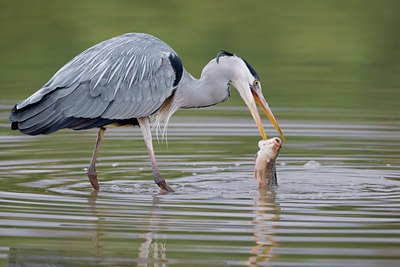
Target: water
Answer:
[[337, 202]]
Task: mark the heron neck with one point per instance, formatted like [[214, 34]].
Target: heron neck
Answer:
[[206, 91]]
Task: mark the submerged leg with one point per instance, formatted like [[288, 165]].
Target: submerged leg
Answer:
[[91, 173], [145, 127]]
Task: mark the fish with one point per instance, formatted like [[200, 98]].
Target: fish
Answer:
[[265, 161]]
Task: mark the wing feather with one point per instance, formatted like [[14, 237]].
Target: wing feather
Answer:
[[68, 105], [122, 78], [119, 109]]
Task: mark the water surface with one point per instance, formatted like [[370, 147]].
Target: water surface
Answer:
[[337, 202]]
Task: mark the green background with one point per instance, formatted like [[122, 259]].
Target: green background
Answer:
[[334, 54]]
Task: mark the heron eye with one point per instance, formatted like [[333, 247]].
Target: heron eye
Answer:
[[255, 83]]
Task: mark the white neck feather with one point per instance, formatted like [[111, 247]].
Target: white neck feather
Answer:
[[212, 88]]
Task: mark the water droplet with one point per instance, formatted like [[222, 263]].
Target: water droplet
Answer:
[[254, 194], [312, 165], [114, 187]]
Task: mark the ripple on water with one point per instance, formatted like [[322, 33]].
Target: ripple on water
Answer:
[[337, 200]]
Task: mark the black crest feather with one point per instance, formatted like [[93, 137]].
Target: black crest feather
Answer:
[[252, 70], [223, 52]]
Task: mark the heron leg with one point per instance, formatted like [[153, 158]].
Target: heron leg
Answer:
[[145, 127], [91, 173]]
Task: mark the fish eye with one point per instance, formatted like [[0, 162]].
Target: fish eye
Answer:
[[255, 83]]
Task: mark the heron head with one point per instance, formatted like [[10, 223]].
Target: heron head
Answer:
[[245, 79]]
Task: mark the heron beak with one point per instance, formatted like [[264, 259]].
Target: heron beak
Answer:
[[259, 98], [254, 112]]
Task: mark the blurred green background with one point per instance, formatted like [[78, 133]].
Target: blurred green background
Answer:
[[334, 54]]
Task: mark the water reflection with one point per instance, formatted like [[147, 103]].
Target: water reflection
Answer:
[[347, 204], [265, 211], [96, 229], [152, 250]]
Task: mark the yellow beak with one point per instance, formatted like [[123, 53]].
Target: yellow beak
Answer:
[[259, 98]]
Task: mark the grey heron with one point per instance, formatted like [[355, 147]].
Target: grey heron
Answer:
[[125, 80]]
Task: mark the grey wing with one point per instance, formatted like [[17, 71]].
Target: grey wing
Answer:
[[129, 76]]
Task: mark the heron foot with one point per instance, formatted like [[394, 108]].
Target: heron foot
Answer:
[[92, 175], [162, 183]]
